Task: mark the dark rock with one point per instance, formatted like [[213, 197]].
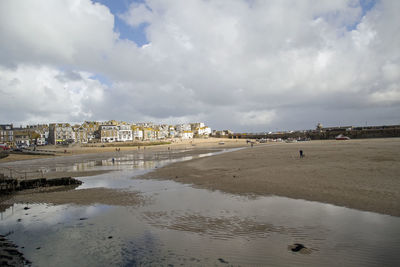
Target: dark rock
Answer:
[[221, 260], [12, 251], [297, 247], [6, 257]]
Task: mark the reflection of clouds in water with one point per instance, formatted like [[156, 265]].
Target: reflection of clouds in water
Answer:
[[120, 179], [43, 215], [183, 223], [76, 163]]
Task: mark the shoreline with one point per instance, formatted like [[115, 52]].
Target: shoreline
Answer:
[[89, 150], [358, 174]]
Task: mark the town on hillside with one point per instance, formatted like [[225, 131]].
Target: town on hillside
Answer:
[[98, 132]]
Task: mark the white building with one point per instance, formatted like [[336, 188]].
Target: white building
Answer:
[[125, 133], [204, 131], [200, 129], [183, 127], [186, 135], [137, 133]]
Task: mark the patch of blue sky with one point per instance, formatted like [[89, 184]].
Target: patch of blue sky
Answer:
[[134, 34], [102, 79], [366, 6]]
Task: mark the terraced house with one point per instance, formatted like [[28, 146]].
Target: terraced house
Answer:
[[137, 133], [40, 135], [81, 134], [22, 136], [108, 133], [7, 134], [61, 133], [149, 134]]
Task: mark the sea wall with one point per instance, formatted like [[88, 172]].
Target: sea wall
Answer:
[[325, 135]]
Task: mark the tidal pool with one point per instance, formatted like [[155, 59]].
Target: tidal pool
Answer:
[[181, 225]]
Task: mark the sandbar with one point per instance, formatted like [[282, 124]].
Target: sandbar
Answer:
[[363, 174]]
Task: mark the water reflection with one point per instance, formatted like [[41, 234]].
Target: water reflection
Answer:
[[116, 162]]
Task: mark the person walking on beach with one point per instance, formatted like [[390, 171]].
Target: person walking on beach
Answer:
[[301, 153]]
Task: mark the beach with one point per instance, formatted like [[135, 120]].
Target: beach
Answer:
[[120, 201], [79, 161], [360, 174]]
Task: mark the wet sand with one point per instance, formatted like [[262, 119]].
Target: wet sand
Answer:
[[359, 174]]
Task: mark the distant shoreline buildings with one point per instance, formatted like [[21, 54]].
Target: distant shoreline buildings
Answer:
[[119, 131], [98, 132], [327, 133]]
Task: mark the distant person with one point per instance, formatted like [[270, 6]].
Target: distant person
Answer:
[[301, 153], [252, 144]]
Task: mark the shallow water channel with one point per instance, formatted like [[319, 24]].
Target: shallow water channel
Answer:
[[181, 225]]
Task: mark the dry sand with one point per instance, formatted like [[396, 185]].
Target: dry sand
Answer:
[[360, 174]]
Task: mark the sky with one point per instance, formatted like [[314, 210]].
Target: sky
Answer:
[[243, 65]]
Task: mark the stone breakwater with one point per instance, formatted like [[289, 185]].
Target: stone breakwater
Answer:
[[9, 185]]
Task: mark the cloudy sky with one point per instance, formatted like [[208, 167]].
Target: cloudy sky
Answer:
[[245, 65]]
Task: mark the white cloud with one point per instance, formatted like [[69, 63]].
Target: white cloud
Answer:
[[245, 65], [58, 32], [39, 95], [137, 14], [258, 117]]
